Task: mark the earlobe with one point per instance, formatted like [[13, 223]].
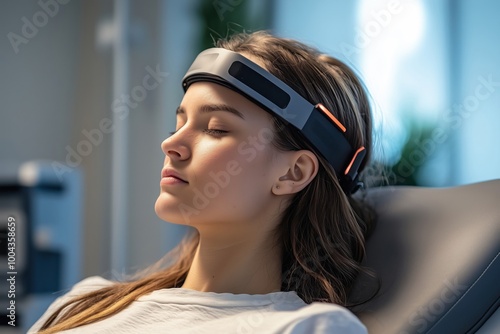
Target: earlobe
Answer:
[[277, 190], [302, 168]]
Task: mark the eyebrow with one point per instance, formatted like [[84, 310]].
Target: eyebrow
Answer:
[[206, 108]]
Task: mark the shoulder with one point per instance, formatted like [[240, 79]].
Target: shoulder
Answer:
[[87, 285], [326, 318]]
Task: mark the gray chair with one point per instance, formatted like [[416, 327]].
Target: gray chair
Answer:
[[436, 254]]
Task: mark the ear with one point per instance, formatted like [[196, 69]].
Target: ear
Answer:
[[302, 167]]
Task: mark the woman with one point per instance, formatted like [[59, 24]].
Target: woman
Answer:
[[278, 238]]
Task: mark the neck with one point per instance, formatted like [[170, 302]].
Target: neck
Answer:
[[236, 264]]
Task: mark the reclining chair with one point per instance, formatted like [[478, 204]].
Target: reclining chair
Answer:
[[435, 252]]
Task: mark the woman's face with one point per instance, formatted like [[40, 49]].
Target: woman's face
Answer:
[[220, 164]]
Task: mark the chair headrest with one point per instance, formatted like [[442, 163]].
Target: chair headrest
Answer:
[[436, 254]]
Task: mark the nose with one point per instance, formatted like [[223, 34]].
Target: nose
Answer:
[[175, 149]]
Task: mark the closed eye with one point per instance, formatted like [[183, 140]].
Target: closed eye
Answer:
[[215, 132]]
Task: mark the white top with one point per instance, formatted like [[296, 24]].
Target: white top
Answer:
[[181, 311]]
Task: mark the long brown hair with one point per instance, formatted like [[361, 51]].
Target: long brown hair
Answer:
[[322, 232]]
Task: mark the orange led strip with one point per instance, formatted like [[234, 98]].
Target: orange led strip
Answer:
[[330, 116], [361, 149]]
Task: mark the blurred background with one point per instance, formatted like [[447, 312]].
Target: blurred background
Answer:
[[88, 91]]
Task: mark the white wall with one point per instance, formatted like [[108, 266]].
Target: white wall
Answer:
[[477, 146], [327, 25], [38, 83]]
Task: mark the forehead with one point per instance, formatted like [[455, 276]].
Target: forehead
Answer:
[[203, 93]]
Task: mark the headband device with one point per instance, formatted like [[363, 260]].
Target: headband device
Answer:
[[323, 130]]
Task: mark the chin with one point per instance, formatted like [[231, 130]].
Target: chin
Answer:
[[169, 210], [164, 208]]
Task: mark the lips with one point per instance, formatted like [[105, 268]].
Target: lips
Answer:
[[171, 173]]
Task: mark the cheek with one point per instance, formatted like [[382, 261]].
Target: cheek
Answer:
[[248, 180]]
